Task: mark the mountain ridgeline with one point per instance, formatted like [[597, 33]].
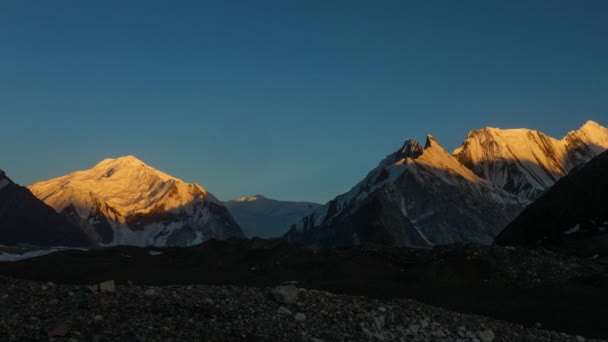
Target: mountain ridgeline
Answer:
[[263, 217], [426, 196], [418, 195]]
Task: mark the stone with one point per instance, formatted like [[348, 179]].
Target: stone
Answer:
[[283, 311], [54, 301], [580, 338], [486, 336], [58, 330], [438, 334], [414, 328], [98, 318], [150, 292], [285, 294], [300, 317], [107, 287]]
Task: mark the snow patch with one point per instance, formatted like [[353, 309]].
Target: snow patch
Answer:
[[155, 253], [7, 257], [573, 230], [198, 239]]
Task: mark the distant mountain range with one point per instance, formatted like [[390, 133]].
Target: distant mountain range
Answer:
[[418, 195], [424, 195], [123, 201], [262, 217]]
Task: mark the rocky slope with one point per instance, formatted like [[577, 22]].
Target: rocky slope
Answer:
[[527, 162], [262, 217], [416, 196], [125, 201], [24, 219], [573, 214]]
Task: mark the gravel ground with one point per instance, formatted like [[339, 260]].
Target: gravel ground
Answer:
[[34, 311]]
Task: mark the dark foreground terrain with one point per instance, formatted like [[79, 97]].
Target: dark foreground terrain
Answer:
[[532, 289], [34, 311]]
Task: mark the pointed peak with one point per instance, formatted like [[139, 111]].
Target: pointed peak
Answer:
[[431, 142], [591, 124], [411, 149], [2, 174]]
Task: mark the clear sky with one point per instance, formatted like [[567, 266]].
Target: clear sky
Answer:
[[296, 100]]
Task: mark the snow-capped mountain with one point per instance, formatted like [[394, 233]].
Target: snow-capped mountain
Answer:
[[262, 217], [572, 215], [123, 201], [416, 196], [527, 162], [24, 219]]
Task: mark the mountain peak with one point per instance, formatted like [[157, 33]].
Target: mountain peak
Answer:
[[125, 161], [591, 123], [411, 149], [431, 142]]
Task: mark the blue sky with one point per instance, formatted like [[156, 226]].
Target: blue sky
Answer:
[[296, 100]]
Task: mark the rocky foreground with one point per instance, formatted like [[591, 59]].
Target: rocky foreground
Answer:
[[35, 311]]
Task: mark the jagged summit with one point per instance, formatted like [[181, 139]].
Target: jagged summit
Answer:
[[526, 162], [431, 141], [411, 149], [416, 195]]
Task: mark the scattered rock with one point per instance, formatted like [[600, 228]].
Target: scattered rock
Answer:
[[283, 311], [438, 334], [286, 294], [248, 314], [107, 287], [57, 330], [414, 328], [486, 335]]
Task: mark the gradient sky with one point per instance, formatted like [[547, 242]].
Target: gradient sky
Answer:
[[296, 100]]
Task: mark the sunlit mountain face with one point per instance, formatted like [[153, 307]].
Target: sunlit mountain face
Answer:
[[123, 201], [427, 196]]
